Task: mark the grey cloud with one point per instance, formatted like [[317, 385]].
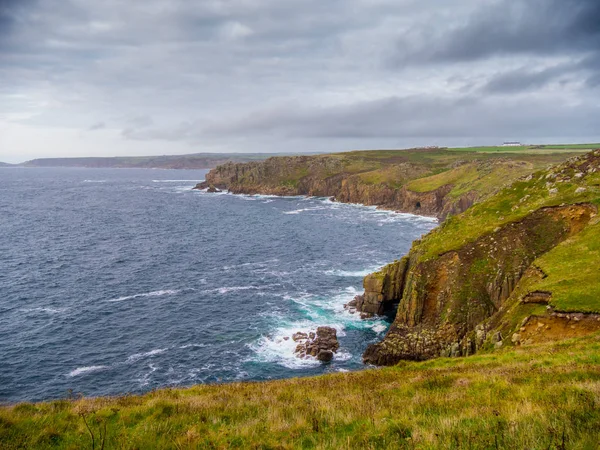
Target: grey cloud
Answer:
[[267, 71], [524, 79], [507, 28], [97, 126], [416, 118]]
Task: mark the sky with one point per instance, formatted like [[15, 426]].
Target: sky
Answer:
[[144, 77]]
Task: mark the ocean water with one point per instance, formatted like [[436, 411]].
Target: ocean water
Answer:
[[118, 281]]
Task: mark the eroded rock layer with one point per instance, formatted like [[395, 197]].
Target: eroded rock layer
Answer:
[[445, 299]]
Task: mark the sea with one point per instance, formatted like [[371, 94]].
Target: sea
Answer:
[[117, 281]]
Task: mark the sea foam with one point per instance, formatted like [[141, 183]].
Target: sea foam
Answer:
[[88, 369], [146, 294], [138, 356]]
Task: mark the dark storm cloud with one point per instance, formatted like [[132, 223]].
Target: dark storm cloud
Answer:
[[10, 10], [537, 27]]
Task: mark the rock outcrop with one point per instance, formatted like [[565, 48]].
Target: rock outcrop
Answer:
[[444, 299], [448, 296], [321, 345], [329, 176]]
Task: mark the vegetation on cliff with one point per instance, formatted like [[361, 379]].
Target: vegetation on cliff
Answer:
[[462, 287], [540, 396], [435, 182], [525, 253]]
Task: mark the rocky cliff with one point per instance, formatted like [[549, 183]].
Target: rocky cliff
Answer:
[[462, 286], [387, 184], [457, 294]]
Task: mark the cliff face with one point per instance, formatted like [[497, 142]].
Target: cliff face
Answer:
[[455, 287], [444, 299], [346, 181], [453, 302]]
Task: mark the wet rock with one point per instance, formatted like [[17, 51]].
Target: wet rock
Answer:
[[321, 345], [299, 336], [325, 355], [212, 189]]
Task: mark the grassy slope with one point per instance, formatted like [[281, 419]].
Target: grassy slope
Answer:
[[527, 148], [384, 167], [510, 204], [573, 273], [540, 396]]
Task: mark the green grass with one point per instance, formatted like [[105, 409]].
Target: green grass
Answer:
[[462, 174], [510, 204], [528, 149], [573, 272], [544, 396], [573, 146]]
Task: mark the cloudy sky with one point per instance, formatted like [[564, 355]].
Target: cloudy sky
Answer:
[[114, 77]]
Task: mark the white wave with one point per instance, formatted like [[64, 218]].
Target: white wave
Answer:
[[379, 328], [276, 349], [227, 289], [82, 370], [145, 379], [330, 310], [94, 181], [193, 345], [352, 273], [279, 347], [46, 310], [298, 211], [146, 294], [137, 356], [342, 356], [175, 181]]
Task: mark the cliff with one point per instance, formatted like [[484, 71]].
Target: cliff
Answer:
[[469, 283], [474, 281], [434, 183]]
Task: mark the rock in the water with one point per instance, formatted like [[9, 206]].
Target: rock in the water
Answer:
[[212, 189], [299, 336], [322, 344], [325, 355]]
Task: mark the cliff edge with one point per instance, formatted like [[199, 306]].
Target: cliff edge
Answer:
[[479, 278], [433, 183]]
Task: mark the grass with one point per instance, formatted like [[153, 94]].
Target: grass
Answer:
[[528, 148], [573, 272], [462, 174], [509, 205], [544, 396], [572, 146]]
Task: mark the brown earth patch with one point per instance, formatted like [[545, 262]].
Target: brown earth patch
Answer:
[[557, 326]]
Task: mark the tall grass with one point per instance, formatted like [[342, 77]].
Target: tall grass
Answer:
[[545, 397]]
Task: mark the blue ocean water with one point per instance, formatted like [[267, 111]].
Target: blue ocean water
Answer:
[[119, 280]]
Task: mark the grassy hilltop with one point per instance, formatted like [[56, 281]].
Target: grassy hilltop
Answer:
[[510, 280], [434, 182]]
